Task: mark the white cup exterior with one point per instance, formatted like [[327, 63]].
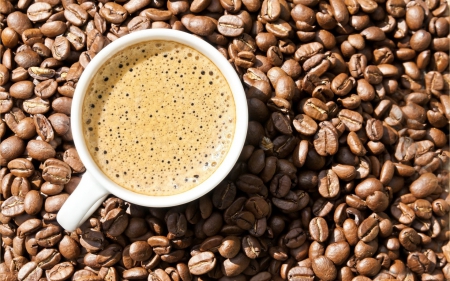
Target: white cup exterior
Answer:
[[95, 185]]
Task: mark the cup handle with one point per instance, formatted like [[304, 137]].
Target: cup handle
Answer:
[[80, 205]]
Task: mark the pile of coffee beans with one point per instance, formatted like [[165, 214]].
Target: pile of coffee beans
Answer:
[[344, 175]]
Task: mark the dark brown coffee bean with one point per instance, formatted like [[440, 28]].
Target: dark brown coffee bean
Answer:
[[53, 29], [368, 229], [213, 224], [73, 160], [258, 207], [338, 252], [69, 248], [140, 251], [280, 185], [300, 273], [265, 40]]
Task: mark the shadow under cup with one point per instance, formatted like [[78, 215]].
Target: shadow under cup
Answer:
[[95, 186]]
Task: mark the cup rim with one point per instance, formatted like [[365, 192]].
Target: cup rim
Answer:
[[240, 128]]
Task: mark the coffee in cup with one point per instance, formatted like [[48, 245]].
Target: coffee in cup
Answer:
[[158, 118]]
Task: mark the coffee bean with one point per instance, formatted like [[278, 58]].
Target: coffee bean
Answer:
[[30, 271], [39, 12], [325, 140], [56, 171], [420, 40], [40, 150], [324, 268], [202, 263], [308, 50], [229, 247], [315, 109], [61, 48], [212, 224], [328, 184], [236, 265], [47, 258], [53, 29], [230, 25], [60, 271], [368, 266], [9, 37], [54, 203], [318, 229], [18, 21], [73, 160], [69, 248], [27, 58]]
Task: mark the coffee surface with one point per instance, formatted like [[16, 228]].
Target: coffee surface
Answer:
[[159, 118]]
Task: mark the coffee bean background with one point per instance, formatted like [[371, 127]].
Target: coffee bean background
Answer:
[[344, 175]]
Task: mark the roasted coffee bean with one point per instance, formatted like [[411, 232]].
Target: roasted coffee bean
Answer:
[[229, 247], [202, 263], [56, 171], [230, 25], [199, 25], [235, 266], [21, 167], [47, 258], [326, 139], [30, 271], [318, 229], [75, 14], [60, 271], [328, 184], [324, 268], [13, 206], [48, 236]]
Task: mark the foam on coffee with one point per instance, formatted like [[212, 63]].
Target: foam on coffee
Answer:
[[159, 118]]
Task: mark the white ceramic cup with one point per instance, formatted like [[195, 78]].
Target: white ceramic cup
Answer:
[[95, 186]]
